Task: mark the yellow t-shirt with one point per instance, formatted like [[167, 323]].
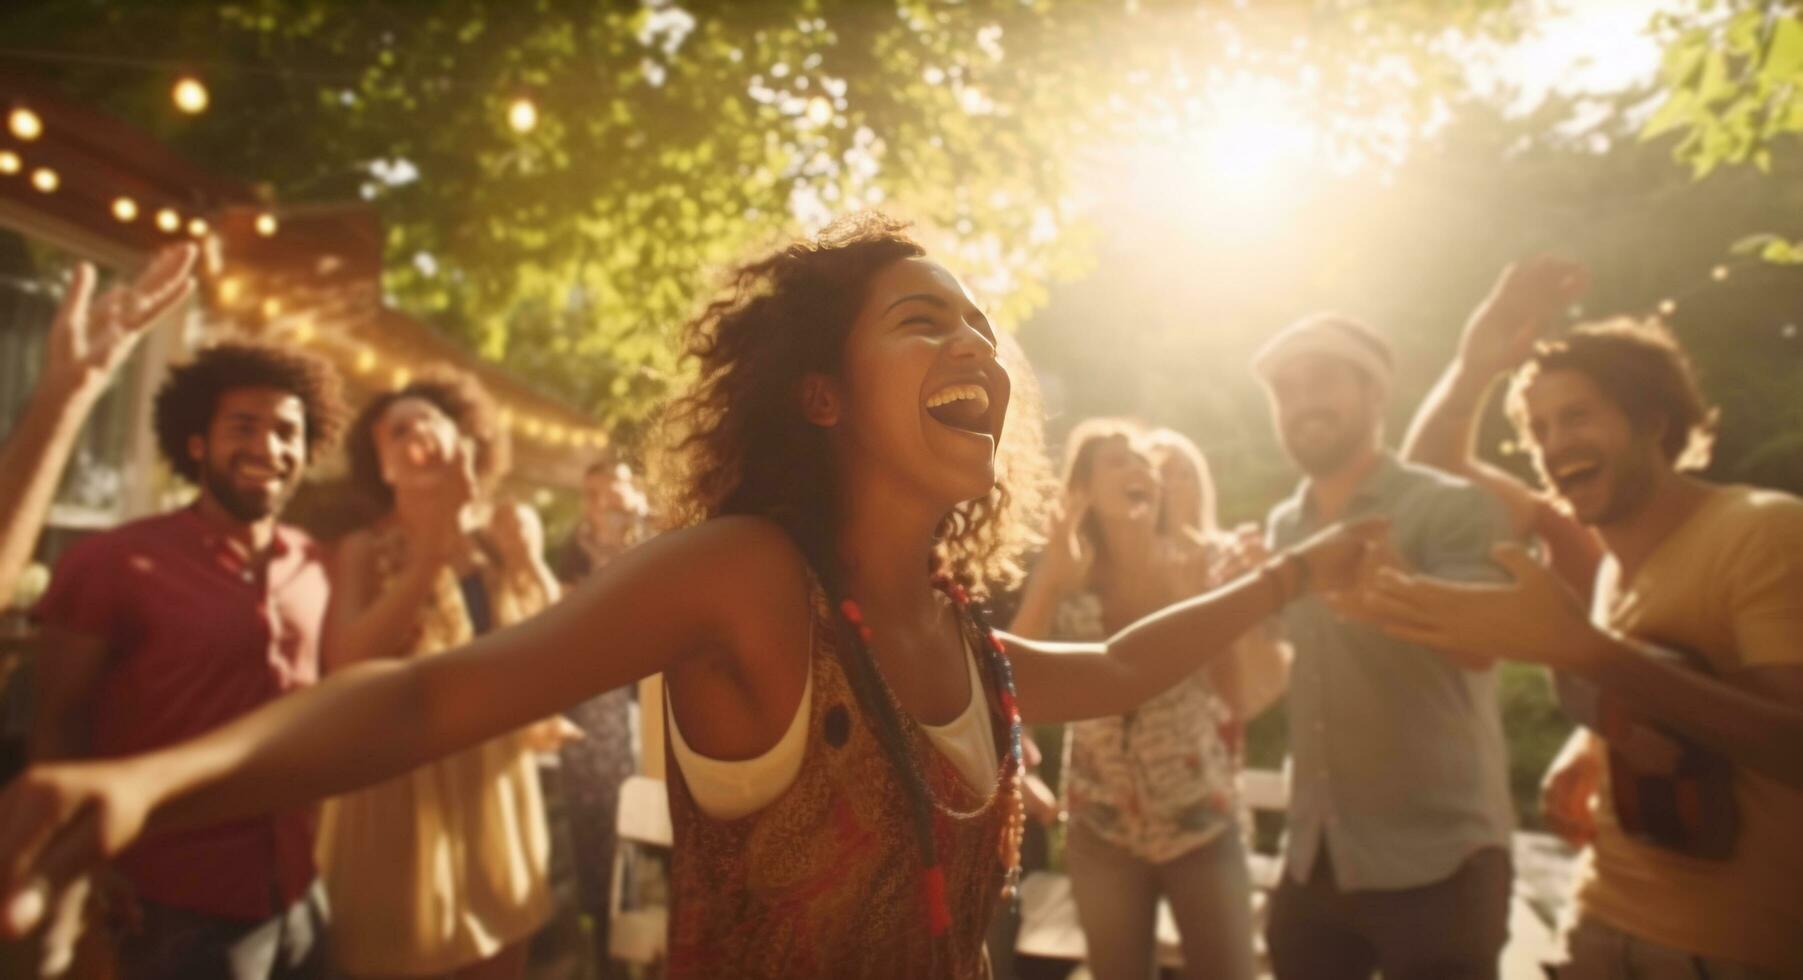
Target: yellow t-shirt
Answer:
[[1727, 585]]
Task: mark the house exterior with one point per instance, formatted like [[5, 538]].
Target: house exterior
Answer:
[[76, 184]]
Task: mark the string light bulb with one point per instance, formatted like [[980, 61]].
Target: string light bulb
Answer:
[[198, 227], [366, 361], [522, 115], [272, 308], [46, 180], [125, 209], [1668, 307], [169, 221], [266, 224], [10, 163], [25, 124], [190, 95], [1719, 273]]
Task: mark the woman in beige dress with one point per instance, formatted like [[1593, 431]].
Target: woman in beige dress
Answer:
[[441, 872]]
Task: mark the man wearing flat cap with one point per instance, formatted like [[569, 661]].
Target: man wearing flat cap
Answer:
[[1397, 858]]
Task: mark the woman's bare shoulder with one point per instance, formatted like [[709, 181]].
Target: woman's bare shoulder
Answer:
[[743, 562]]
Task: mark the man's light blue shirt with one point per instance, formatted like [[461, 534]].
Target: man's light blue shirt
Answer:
[[1399, 767]]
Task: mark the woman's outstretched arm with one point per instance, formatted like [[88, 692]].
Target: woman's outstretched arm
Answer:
[[698, 594], [1071, 681]]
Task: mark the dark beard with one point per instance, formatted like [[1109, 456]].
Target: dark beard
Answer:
[[1631, 485], [1323, 459], [242, 507]]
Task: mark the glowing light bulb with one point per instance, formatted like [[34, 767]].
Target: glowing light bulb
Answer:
[[125, 209], [1668, 307], [1719, 273], [169, 221], [198, 228], [10, 163], [190, 95], [272, 308], [266, 224], [45, 179], [25, 124], [522, 115], [366, 361]]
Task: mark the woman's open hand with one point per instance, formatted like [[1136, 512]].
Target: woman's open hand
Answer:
[[58, 823]]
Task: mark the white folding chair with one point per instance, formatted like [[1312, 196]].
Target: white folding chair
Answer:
[[638, 935]]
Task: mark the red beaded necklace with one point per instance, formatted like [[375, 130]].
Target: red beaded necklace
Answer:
[[933, 876]]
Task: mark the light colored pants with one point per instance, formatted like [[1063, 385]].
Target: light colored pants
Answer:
[[1117, 894], [1595, 950]]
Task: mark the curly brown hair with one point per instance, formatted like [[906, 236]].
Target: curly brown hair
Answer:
[[1638, 365], [737, 443], [463, 399], [188, 399]]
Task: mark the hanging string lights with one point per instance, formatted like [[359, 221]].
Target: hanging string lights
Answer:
[[522, 115], [24, 124], [190, 95]]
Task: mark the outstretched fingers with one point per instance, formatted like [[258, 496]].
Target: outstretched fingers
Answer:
[[47, 848], [165, 284]]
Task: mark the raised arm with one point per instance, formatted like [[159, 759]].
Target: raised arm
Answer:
[[1755, 718], [380, 719], [1258, 672], [368, 620], [1072, 681], [1062, 569], [88, 341], [1528, 300], [519, 535]]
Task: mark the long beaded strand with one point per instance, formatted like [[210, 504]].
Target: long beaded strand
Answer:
[[1014, 774], [933, 876]]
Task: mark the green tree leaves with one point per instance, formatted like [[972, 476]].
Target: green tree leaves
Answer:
[[1734, 81]]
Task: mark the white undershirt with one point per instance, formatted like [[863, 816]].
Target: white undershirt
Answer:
[[729, 789]]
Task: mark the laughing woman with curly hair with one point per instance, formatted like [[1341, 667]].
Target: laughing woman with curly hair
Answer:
[[844, 729]]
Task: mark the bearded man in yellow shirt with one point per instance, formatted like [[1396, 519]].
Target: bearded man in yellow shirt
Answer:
[[1693, 646]]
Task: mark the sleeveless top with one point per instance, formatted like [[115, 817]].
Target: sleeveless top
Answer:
[[443, 867], [1158, 781], [729, 789], [827, 880]]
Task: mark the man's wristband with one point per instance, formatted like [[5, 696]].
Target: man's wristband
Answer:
[[1288, 577]]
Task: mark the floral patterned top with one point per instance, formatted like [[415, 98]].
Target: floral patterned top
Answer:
[[1158, 781]]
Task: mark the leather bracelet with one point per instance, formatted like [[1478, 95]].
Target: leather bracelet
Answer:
[[1302, 572], [1275, 572]]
